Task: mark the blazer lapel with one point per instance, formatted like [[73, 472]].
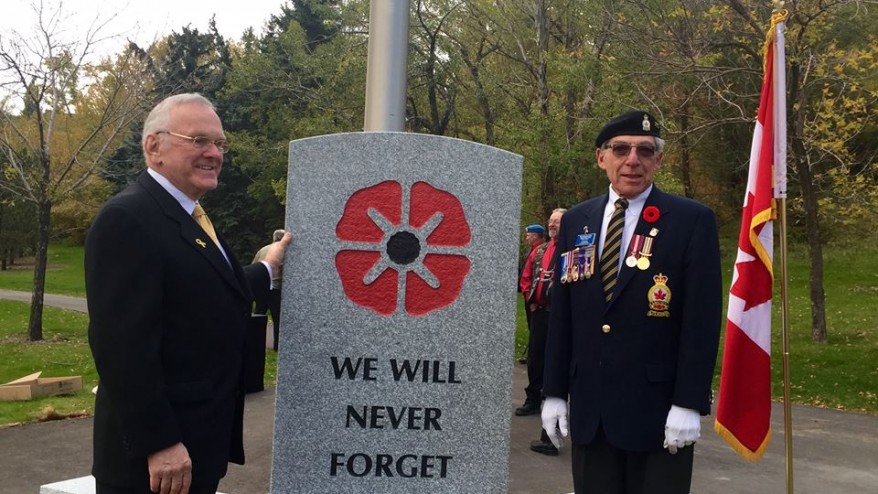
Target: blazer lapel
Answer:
[[192, 234]]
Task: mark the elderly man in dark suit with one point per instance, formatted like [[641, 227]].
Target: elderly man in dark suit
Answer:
[[169, 306], [635, 323]]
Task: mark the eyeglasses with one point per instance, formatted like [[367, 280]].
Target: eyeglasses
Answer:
[[622, 149], [201, 142]]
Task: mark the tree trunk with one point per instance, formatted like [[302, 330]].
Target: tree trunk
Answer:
[[481, 94], [815, 253], [41, 259], [542, 80], [685, 154], [810, 204]]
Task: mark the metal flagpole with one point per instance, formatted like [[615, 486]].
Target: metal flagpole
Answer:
[[784, 291], [386, 65], [778, 20]]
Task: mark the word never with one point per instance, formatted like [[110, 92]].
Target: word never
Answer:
[[376, 417]]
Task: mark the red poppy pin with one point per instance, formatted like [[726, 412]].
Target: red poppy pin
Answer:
[[651, 214]]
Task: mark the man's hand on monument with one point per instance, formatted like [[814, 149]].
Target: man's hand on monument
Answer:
[[554, 416], [682, 428], [275, 254]]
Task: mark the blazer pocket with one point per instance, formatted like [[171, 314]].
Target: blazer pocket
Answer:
[[189, 392], [660, 373]]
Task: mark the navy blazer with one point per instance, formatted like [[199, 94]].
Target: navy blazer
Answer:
[[624, 363], [168, 318]]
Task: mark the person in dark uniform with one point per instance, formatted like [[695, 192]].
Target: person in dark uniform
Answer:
[[169, 307], [635, 323], [272, 303]]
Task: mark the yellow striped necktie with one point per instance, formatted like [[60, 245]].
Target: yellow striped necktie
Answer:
[[609, 264], [204, 222]]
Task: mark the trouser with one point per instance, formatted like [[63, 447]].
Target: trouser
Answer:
[[274, 309], [600, 468], [271, 305], [536, 353]]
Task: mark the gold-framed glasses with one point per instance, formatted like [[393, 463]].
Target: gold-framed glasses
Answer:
[[621, 149], [201, 142]]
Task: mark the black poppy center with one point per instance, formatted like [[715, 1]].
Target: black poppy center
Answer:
[[403, 247]]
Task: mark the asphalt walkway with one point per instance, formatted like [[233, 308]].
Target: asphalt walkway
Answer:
[[834, 452]]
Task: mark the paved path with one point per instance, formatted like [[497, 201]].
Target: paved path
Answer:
[[835, 452], [60, 301]]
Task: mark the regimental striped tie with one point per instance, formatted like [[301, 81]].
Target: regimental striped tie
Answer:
[[204, 222], [612, 246]]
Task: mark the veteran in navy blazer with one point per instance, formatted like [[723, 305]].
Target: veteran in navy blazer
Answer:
[[168, 311], [637, 368]]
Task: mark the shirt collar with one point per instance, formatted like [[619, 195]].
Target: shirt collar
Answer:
[[185, 201], [634, 203]]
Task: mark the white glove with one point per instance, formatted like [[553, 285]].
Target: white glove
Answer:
[[554, 416], [682, 428]]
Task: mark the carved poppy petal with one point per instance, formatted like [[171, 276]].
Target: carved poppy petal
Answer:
[[426, 202], [450, 270], [380, 295], [356, 225]]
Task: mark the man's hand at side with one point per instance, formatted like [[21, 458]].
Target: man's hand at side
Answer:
[[554, 416], [682, 428], [170, 470]]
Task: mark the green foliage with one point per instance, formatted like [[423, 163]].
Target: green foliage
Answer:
[[17, 235]]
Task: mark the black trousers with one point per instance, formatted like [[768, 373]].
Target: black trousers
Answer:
[[536, 354], [271, 305], [600, 468]]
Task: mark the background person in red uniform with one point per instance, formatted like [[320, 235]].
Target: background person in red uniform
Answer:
[[534, 236], [537, 305]]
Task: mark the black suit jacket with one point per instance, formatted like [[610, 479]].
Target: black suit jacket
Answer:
[[168, 316], [624, 364]]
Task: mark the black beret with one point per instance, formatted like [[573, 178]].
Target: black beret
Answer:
[[633, 123]]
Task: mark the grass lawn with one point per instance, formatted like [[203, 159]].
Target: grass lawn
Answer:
[[65, 273], [839, 374], [63, 352]]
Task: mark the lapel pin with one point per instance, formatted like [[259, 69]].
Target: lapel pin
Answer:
[[201, 243]]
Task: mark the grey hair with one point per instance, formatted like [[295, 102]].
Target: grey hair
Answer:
[[160, 116], [559, 210]]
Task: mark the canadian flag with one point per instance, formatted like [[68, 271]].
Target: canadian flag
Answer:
[[744, 407]]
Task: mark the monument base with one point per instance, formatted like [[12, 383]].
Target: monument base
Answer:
[[81, 485]]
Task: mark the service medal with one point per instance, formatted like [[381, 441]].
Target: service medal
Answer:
[[564, 267], [645, 253]]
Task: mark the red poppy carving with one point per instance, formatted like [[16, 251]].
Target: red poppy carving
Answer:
[[403, 250], [651, 214]]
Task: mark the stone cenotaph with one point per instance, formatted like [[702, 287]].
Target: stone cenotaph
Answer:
[[398, 316]]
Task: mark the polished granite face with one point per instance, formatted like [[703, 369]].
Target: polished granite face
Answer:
[[398, 318]]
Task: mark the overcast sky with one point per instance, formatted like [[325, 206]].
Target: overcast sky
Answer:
[[142, 21]]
